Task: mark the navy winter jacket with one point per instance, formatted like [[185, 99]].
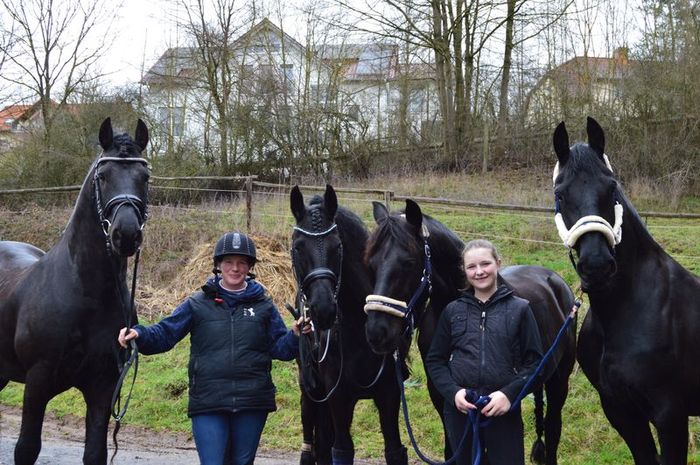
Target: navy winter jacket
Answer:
[[234, 337]]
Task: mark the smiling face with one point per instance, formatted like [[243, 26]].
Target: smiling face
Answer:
[[482, 267], [234, 270]]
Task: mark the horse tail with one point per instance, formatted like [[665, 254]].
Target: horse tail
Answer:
[[538, 454]]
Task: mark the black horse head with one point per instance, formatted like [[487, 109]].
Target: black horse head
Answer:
[[396, 258], [120, 179], [588, 204], [317, 254]]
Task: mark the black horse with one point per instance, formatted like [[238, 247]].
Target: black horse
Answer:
[[397, 255], [60, 311], [638, 343], [338, 366]]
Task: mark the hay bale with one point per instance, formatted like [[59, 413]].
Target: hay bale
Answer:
[[273, 270]]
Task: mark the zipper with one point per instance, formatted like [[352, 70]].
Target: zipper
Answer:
[[482, 327]]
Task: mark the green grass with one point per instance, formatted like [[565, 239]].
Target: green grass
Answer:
[[160, 395]]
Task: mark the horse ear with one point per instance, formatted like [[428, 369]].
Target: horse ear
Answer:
[[106, 134], [296, 204], [379, 211], [413, 213], [596, 136], [561, 143], [141, 135], [330, 201]]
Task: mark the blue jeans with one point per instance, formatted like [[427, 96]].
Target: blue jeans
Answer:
[[212, 433]]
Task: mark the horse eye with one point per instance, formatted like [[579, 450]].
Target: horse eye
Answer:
[[101, 176]]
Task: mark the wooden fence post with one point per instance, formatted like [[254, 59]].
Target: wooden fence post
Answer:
[[249, 204], [485, 149], [388, 195]]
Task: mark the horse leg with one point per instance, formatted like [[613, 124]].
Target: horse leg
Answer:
[[388, 405], [672, 431], [557, 388], [308, 418], [37, 393], [97, 399], [634, 429], [342, 410], [438, 403], [317, 430], [324, 437]]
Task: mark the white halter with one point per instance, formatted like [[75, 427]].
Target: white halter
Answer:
[[589, 223], [379, 303]]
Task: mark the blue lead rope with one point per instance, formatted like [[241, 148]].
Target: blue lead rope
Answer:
[[481, 401]]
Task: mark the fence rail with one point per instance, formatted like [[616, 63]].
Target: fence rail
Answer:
[[250, 183]]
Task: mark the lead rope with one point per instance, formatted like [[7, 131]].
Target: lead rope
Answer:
[[481, 401], [118, 411]]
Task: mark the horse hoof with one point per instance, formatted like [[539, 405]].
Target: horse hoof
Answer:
[[396, 457], [307, 458]]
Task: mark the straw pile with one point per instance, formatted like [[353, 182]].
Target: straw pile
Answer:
[[273, 270]]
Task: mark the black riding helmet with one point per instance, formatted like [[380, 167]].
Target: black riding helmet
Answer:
[[234, 243]]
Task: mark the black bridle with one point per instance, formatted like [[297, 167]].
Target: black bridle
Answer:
[[112, 206], [303, 284]]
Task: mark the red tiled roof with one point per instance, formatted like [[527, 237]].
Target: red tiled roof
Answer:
[[11, 113]]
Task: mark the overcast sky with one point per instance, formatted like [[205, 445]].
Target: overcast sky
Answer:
[[142, 31]]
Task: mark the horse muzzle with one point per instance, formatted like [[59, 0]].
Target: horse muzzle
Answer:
[[125, 232], [596, 265]]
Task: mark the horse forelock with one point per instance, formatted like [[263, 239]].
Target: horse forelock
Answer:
[[392, 228], [584, 160], [123, 146]]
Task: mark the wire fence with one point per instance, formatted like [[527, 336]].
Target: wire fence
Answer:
[[259, 201]]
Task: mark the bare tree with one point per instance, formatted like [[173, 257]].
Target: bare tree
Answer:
[[213, 35], [56, 45]]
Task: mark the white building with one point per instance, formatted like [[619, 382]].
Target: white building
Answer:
[[288, 98]]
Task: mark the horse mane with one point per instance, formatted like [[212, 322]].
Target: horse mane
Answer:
[[446, 250], [352, 230]]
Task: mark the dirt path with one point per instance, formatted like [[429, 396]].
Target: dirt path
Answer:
[[62, 444]]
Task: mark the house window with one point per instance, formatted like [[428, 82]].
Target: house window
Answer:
[[266, 80], [353, 112], [178, 121], [173, 120]]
